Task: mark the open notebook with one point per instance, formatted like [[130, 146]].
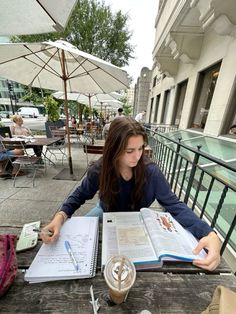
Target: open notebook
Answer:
[[53, 262]]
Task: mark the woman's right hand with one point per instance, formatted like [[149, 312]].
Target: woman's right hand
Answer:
[[50, 233]]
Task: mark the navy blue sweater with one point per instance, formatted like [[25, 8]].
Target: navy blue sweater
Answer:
[[156, 188]]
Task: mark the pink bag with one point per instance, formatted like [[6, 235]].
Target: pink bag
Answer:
[[8, 261]]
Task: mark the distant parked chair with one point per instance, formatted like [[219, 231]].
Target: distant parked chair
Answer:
[[58, 148], [24, 162], [92, 149], [73, 133]]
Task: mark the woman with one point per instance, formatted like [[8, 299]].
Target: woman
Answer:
[[18, 129], [73, 122], [127, 181]]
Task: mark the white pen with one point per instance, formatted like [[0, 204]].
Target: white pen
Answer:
[[72, 257]]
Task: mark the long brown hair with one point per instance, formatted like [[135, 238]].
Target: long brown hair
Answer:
[[121, 129]]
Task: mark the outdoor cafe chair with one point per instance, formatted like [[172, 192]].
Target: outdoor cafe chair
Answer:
[[91, 148], [23, 162], [59, 147], [74, 134]]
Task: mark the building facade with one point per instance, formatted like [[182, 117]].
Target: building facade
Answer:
[[130, 96], [142, 90], [10, 94], [194, 70]]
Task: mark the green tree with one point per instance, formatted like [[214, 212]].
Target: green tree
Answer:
[[52, 108], [93, 28], [34, 94], [126, 107]]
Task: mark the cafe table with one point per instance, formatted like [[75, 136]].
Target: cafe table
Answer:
[[96, 147], [174, 288], [36, 141]]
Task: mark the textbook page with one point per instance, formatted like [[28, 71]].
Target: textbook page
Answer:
[[53, 262], [169, 239], [124, 233]]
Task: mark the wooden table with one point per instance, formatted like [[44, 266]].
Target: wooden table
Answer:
[[43, 141], [97, 148], [175, 288], [38, 141]]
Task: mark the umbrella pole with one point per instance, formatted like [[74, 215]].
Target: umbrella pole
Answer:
[[90, 107], [66, 112]]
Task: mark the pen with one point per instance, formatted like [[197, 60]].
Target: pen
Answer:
[[72, 257], [47, 232]]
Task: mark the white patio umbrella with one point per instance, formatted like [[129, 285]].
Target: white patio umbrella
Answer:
[[111, 105], [84, 98], [60, 66], [91, 100], [99, 101], [34, 16]]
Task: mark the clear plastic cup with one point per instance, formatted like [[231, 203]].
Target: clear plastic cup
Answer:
[[120, 275]]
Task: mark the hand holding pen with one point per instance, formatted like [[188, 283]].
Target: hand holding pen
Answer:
[[50, 233], [54, 227], [43, 231]]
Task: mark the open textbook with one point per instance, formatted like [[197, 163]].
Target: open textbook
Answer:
[[147, 238], [54, 262]]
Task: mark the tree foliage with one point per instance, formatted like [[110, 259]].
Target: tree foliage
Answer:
[[52, 108], [93, 28], [34, 94]]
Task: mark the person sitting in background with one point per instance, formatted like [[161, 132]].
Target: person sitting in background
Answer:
[[18, 129], [107, 125], [106, 129], [140, 116], [5, 156], [119, 113], [73, 122], [127, 180]]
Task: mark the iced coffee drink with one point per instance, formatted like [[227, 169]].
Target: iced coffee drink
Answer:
[[120, 275]]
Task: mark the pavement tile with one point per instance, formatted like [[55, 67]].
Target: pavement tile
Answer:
[[19, 212], [46, 192], [23, 205]]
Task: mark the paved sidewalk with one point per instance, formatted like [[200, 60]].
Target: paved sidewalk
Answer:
[[23, 205]]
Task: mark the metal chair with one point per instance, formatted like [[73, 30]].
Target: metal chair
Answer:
[[58, 148], [92, 149], [22, 162], [74, 134]]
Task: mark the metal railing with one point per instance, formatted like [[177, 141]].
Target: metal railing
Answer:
[[196, 178], [161, 128]]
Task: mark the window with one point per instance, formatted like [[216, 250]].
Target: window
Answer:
[[180, 96], [203, 96], [154, 81], [157, 107], [165, 106]]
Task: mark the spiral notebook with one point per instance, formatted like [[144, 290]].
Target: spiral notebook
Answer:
[[53, 261]]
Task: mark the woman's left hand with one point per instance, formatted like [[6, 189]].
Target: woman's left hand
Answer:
[[212, 243]]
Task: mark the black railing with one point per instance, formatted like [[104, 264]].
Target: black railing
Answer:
[[201, 181], [161, 128]]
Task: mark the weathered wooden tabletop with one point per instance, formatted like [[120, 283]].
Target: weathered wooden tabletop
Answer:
[[175, 288]]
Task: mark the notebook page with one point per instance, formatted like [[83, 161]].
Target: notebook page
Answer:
[[53, 262]]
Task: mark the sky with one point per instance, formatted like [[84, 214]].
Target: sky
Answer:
[[142, 15]]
